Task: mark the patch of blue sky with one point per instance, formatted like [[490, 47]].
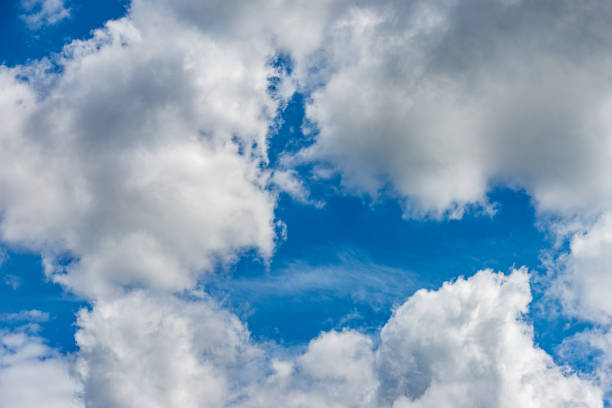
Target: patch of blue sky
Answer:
[[24, 287], [351, 261], [20, 44]]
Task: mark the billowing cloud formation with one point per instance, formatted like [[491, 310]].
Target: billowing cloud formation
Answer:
[[144, 350], [443, 99], [191, 353], [463, 345], [33, 375], [142, 162]]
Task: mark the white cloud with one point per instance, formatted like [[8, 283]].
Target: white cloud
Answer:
[[583, 281], [466, 345], [463, 345], [143, 160], [336, 370], [441, 100], [33, 375], [39, 13], [154, 350], [288, 181]]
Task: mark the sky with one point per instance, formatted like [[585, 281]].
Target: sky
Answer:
[[305, 203]]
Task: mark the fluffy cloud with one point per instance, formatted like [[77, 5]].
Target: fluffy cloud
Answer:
[[466, 345], [336, 370], [441, 100], [33, 375], [154, 350], [583, 283], [462, 345], [142, 161], [297, 27]]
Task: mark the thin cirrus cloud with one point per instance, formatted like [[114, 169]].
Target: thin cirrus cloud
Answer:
[[140, 155], [40, 13], [25, 315]]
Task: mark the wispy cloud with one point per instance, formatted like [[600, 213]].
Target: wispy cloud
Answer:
[[40, 13], [25, 316], [363, 280]]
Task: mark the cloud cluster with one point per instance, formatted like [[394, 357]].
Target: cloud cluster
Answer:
[[136, 162], [463, 345]]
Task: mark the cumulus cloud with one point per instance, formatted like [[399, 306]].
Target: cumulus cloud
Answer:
[[464, 345], [39, 13], [583, 282], [33, 375], [441, 100], [142, 161], [192, 353], [148, 350], [467, 345]]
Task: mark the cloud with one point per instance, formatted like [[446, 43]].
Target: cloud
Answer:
[[465, 344], [33, 375], [155, 350], [143, 161], [442, 100], [39, 13], [25, 315], [582, 282], [288, 181], [12, 281], [364, 282]]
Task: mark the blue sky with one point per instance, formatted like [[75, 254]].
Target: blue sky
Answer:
[[305, 205]]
